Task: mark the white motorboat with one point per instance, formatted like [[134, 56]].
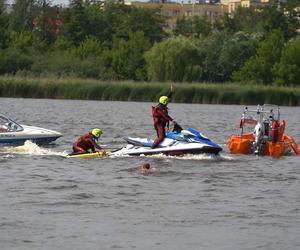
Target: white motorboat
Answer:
[[13, 133]]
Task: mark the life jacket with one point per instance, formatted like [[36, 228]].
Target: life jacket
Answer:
[[85, 141], [157, 116]]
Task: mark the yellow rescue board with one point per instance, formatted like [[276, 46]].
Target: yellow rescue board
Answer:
[[90, 155]]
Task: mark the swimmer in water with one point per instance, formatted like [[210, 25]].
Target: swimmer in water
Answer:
[[146, 169]]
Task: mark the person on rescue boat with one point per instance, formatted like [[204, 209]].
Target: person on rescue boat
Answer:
[[87, 142], [161, 118]]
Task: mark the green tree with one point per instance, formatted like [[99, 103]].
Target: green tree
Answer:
[[210, 51], [264, 19], [22, 40], [202, 26], [45, 29], [145, 20], [13, 60], [63, 43], [287, 71], [127, 56], [89, 47], [22, 16], [64, 63], [183, 27], [259, 67], [172, 60], [193, 27], [86, 18], [95, 21], [3, 25], [291, 9], [75, 22], [234, 53], [276, 19], [112, 18], [244, 19]]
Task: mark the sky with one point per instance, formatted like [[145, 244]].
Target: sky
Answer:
[[65, 2]]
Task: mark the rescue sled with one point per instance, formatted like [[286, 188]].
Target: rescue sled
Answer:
[[267, 137], [89, 155]]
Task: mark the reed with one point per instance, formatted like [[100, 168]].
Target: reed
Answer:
[[88, 89]]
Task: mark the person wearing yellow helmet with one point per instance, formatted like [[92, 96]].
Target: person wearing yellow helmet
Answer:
[[87, 142], [161, 118], [164, 100]]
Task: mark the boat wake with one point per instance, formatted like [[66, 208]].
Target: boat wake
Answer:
[[197, 157], [30, 148]]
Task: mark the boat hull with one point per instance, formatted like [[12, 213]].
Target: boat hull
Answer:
[[173, 152], [243, 145], [176, 150], [267, 137], [37, 135], [21, 141]]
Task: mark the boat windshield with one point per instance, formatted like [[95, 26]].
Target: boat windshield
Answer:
[[271, 111], [8, 125]]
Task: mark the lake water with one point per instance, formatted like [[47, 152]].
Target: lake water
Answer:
[[194, 202]]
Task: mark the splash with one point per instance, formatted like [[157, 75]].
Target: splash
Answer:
[[196, 157], [201, 157], [30, 148]]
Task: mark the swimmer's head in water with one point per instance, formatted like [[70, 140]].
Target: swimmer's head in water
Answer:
[[146, 166]]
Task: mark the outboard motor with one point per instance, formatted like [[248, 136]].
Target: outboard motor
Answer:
[[259, 132]]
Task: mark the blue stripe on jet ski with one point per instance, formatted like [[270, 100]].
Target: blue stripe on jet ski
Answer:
[[198, 138]]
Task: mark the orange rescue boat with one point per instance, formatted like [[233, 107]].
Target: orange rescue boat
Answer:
[[267, 137]]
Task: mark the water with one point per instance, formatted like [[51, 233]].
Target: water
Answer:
[[195, 202]]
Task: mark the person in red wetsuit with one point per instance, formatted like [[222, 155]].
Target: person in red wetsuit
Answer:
[[87, 142], [161, 118]]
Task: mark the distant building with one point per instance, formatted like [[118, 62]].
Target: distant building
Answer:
[[8, 8], [174, 11], [234, 4]]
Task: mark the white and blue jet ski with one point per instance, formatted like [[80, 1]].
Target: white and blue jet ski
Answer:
[[178, 142], [13, 133]]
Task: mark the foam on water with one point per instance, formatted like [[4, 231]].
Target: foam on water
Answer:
[[30, 148], [201, 157]]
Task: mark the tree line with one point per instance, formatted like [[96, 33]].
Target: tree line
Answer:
[[119, 42]]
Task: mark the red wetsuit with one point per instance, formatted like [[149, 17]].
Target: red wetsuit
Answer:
[[160, 118], [84, 143]]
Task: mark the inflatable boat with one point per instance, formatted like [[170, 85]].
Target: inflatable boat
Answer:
[[262, 133]]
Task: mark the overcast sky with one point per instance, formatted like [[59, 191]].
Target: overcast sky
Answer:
[[60, 1], [53, 1]]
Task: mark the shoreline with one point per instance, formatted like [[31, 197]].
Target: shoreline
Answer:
[[201, 93]]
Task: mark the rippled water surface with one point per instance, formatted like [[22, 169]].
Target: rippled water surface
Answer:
[[229, 202]]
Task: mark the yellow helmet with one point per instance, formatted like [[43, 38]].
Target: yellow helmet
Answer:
[[97, 132], [164, 100]]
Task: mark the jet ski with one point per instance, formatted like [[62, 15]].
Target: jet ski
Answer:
[[13, 133], [178, 142]]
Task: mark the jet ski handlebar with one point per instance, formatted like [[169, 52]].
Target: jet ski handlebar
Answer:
[[177, 128]]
